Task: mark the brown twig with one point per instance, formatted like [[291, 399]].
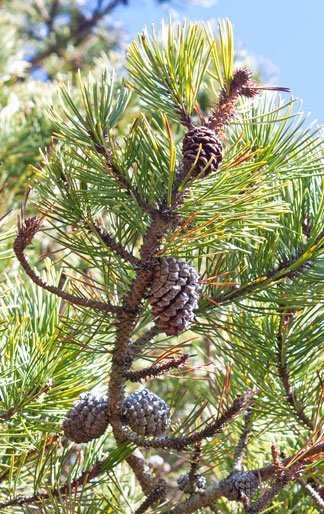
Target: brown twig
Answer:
[[243, 441], [276, 461], [144, 339], [156, 369], [225, 487], [158, 493], [280, 483], [194, 468], [278, 273], [111, 243], [24, 237], [317, 499], [284, 374]]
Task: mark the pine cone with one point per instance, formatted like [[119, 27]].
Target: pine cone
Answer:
[[199, 483], [247, 483], [88, 419], [239, 483], [146, 413], [210, 147], [173, 295]]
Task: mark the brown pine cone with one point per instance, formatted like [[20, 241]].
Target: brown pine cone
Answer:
[[211, 148], [173, 295]]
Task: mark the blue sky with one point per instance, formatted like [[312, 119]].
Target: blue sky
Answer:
[[288, 34]]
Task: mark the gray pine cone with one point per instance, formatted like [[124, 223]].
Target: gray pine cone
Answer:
[[198, 484], [146, 413], [88, 419], [210, 148], [246, 483], [173, 295]]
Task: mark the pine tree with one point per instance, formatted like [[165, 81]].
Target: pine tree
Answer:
[[172, 363]]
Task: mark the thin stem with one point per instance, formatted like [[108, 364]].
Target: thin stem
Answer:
[[145, 338], [24, 238], [111, 243], [284, 375], [279, 484], [156, 369], [312, 493], [243, 441], [158, 493], [193, 468], [278, 273]]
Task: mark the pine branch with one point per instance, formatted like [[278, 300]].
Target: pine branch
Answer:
[[130, 191], [284, 376], [312, 493], [145, 338], [122, 360], [194, 468], [26, 232], [156, 369], [51, 16], [142, 471], [211, 428], [227, 489], [279, 484], [158, 493], [243, 441]]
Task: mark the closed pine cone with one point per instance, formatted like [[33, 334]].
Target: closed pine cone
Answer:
[[146, 413], [88, 419], [199, 483], [173, 295], [211, 148]]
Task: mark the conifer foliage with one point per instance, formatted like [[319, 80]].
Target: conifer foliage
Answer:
[[191, 249]]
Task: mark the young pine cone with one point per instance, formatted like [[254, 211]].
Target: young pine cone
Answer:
[[210, 151], [146, 413], [88, 419], [199, 483], [173, 295]]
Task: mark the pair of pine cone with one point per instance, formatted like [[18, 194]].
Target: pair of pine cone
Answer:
[[144, 412]]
